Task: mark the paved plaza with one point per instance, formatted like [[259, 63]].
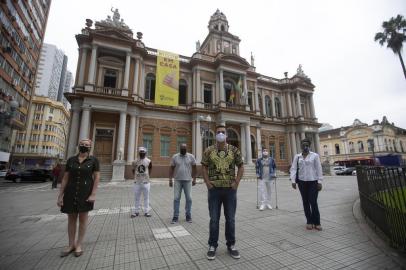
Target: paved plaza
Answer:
[[33, 231]]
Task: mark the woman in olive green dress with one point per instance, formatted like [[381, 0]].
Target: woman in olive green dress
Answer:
[[78, 193]]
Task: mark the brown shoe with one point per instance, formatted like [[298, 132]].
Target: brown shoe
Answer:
[[309, 227], [78, 253], [66, 252], [318, 227]]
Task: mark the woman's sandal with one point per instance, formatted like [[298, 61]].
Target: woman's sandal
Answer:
[[78, 253], [66, 252], [318, 227], [309, 227]]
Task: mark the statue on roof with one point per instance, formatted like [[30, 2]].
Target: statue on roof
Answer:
[[300, 72], [116, 15], [252, 60]]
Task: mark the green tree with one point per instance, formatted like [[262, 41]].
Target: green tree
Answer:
[[393, 36]]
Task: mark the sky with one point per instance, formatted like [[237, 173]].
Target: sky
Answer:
[[333, 40]]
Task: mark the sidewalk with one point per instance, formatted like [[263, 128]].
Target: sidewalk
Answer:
[[33, 232]]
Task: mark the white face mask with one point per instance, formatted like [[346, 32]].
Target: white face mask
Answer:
[[265, 153], [220, 137]]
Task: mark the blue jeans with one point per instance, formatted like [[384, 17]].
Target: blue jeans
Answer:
[[217, 197], [177, 193], [309, 192]]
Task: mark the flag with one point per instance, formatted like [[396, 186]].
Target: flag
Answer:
[[239, 85]]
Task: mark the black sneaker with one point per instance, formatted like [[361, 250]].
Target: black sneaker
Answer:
[[189, 219], [134, 215], [174, 220], [211, 254], [233, 252], [147, 215]]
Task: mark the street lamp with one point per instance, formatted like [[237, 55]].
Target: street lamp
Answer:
[[205, 129]]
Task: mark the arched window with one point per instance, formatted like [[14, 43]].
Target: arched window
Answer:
[[352, 149], [229, 89], [232, 138], [337, 147], [394, 145], [182, 92], [222, 27], [268, 105], [150, 87], [207, 139], [253, 147], [360, 146], [325, 150], [401, 146], [278, 108], [110, 78]]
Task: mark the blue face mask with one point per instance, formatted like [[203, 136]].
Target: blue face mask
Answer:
[[306, 149]]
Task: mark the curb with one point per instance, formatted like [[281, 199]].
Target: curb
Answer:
[[376, 236]]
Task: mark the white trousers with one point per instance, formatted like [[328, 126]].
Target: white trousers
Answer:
[[264, 191], [140, 188]]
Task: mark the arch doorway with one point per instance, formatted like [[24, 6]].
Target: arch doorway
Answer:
[[232, 138], [253, 147]]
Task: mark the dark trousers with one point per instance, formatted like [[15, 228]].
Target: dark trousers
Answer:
[[309, 192], [54, 181], [217, 197]]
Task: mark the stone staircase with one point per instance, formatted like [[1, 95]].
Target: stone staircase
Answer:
[[249, 171], [106, 172]]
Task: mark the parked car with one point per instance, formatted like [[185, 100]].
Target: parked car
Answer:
[[346, 171], [29, 175], [337, 169]]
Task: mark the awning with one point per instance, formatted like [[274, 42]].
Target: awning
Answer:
[[4, 156]]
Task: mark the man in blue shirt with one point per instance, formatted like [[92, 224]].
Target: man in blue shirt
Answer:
[[266, 172]]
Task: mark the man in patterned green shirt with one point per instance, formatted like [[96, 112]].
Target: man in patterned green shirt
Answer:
[[219, 162]]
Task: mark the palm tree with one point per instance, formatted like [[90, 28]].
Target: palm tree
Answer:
[[393, 37]]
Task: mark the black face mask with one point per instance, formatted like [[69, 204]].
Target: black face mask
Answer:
[[83, 149], [183, 151], [142, 155]]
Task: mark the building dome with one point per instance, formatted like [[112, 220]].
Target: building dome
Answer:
[[218, 21]]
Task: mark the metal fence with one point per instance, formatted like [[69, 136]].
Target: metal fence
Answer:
[[382, 193]]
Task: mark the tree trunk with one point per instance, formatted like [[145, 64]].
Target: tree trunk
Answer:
[[402, 63]]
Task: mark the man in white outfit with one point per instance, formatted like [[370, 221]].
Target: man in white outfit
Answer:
[[142, 168], [266, 173]]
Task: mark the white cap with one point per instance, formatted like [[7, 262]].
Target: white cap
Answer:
[[142, 149]]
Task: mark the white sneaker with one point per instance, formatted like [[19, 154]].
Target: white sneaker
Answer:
[[262, 207], [269, 206]]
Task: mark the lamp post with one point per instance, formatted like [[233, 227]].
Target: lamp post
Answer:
[[205, 129]]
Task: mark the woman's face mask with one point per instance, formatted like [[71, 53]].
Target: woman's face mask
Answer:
[[265, 153]]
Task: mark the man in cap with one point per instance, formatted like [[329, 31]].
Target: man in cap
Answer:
[[142, 167]]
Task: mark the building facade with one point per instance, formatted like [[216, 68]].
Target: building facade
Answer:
[[114, 91], [361, 141], [43, 143], [23, 26]]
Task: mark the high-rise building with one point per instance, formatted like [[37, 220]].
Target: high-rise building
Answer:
[[67, 87], [23, 25]]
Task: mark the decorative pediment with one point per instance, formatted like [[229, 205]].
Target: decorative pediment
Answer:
[[232, 58], [113, 33]]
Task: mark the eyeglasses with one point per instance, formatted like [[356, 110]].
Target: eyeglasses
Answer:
[[221, 131]]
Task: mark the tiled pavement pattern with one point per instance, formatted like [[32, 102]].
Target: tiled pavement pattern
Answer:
[[33, 232]]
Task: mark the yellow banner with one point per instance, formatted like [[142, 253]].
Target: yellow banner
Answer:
[[167, 79]]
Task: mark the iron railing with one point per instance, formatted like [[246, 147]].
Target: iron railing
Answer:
[[382, 193]]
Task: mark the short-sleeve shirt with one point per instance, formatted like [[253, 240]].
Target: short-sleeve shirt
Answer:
[[221, 164], [141, 169], [183, 166]]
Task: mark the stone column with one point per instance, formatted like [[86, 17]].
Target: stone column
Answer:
[[259, 146], [293, 144], [127, 71], [273, 104], [73, 132], [198, 142], [290, 110], [131, 139], [298, 146], [92, 69], [317, 143], [245, 91], [256, 100], [85, 123], [121, 136], [248, 143], [199, 99], [194, 137], [299, 108], [141, 91], [222, 94], [263, 105], [136, 71], [243, 146], [312, 112], [81, 78]]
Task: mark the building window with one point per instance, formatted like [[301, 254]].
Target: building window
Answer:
[[147, 143], [352, 149], [337, 147], [386, 145], [260, 104], [182, 92], [250, 103], [272, 149], [207, 139], [401, 146], [278, 108], [282, 150], [165, 142], [51, 110], [230, 92], [369, 145], [110, 78], [150, 87], [325, 150], [179, 141], [360, 146], [268, 105], [207, 94]]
